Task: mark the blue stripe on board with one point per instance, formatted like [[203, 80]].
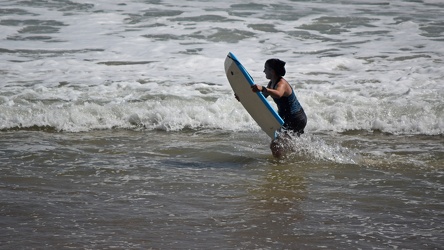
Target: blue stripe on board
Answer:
[[251, 81]]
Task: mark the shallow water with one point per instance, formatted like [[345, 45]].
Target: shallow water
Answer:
[[147, 189]]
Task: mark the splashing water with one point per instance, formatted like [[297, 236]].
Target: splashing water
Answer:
[[312, 147]]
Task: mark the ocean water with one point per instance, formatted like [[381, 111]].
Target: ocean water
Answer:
[[118, 127]]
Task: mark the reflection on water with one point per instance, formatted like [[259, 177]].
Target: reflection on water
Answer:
[[274, 207], [124, 189]]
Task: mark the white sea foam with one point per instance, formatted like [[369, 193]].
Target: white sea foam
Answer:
[[101, 65]]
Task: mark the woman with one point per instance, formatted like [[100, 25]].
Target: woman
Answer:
[[283, 95]]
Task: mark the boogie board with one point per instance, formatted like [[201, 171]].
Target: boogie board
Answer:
[[255, 103]]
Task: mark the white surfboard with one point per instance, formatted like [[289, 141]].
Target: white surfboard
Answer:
[[255, 103]]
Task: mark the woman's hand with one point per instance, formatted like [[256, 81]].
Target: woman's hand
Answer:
[[256, 88]]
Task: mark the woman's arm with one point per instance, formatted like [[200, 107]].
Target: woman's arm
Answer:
[[281, 90], [258, 88]]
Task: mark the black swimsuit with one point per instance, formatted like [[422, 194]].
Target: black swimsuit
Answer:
[[291, 112]]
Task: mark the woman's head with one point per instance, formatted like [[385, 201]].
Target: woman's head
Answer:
[[277, 65]]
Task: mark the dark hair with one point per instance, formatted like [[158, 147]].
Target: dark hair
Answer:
[[277, 65]]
